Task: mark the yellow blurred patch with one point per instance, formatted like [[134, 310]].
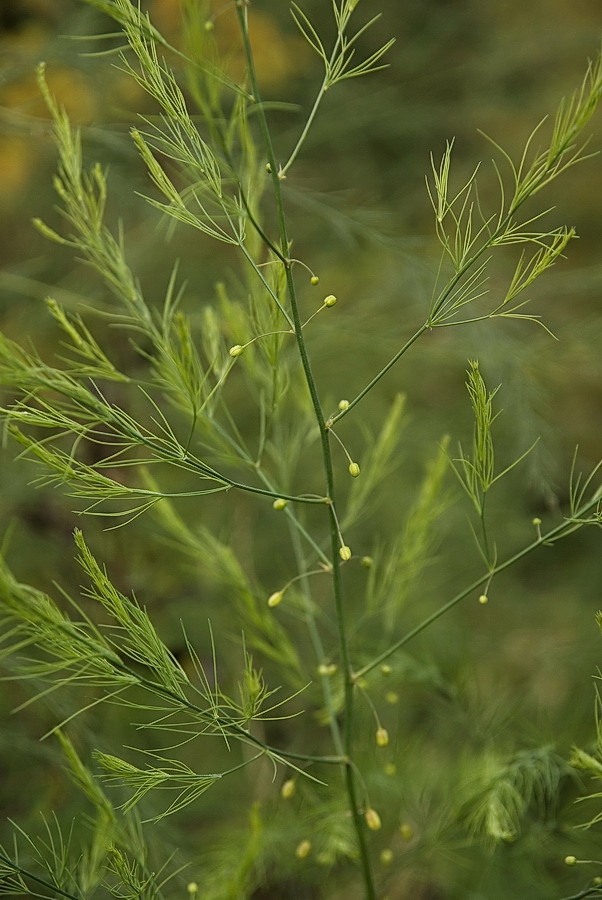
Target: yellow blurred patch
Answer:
[[70, 87], [17, 158], [278, 56]]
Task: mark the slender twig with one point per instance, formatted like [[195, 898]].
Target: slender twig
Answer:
[[47, 884], [594, 891], [542, 540]]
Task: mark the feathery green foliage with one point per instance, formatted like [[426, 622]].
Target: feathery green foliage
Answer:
[[233, 399]]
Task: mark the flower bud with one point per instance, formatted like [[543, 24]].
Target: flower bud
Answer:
[[386, 669], [386, 856], [382, 737], [392, 697], [372, 819], [367, 562], [327, 669], [345, 553], [537, 521], [192, 888], [343, 405], [570, 860], [483, 599], [275, 598], [314, 280], [303, 849], [330, 300], [391, 769], [288, 789], [354, 469], [279, 503], [406, 831], [236, 350]]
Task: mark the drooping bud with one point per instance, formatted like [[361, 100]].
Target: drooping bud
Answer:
[[236, 350], [330, 300], [406, 831], [354, 469], [373, 820], [345, 553], [382, 737], [314, 280], [303, 849], [275, 598], [279, 503], [288, 789]]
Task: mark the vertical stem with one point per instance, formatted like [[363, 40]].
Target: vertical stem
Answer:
[[349, 773]]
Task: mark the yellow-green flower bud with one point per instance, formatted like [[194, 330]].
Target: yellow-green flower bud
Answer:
[[275, 598], [279, 503], [382, 737], [330, 300], [391, 769], [406, 831], [268, 168], [208, 26], [327, 669], [345, 552], [288, 789], [354, 469], [343, 405], [236, 350], [373, 820], [314, 280], [303, 849], [537, 521], [570, 860], [386, 856], [192, 888], [392, 697], [386, 669], [483, 599], [367, 562]]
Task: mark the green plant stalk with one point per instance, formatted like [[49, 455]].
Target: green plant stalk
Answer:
[[316, 640], [308, 124], [47, 884], [377, 378], [547, 538], [594, 891], [328, 468]]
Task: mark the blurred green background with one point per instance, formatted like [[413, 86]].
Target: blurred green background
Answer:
[[516, 673]]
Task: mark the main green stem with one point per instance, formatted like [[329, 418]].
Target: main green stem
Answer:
[[349, 773]]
